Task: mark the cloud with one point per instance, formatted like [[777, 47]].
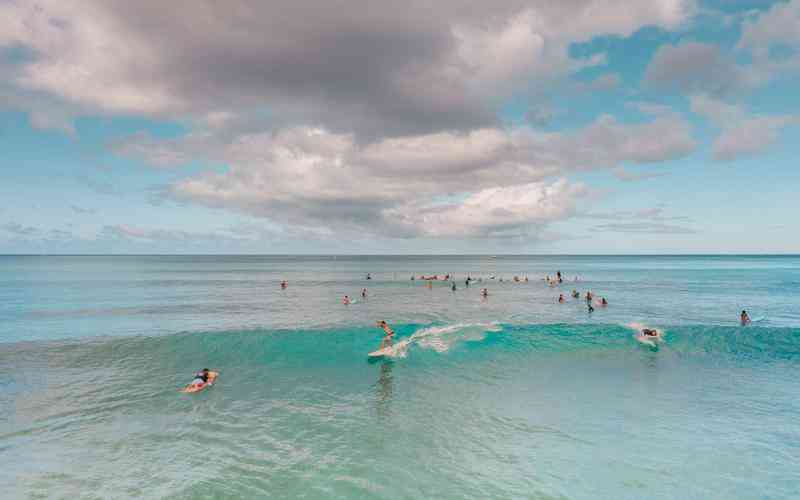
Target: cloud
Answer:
[[513, 211], [651, 220], [312, 177], [373, 69], [643, 228], [138, 233], [603, 83], [694, 67], [626, 175], [540, 116], [81, 210], [776, 27], [742, 134], [18, 229]]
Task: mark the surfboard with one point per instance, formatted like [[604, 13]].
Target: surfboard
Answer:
[[651, 341], [380, 352]]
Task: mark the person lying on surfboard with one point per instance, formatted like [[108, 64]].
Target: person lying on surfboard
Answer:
[[202, 379], [387, 340]]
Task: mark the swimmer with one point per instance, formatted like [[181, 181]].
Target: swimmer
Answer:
[[346, 300], [603, 302], [745, 319], [363, 293], [453, 286], [369, 276], [591, 309], [201, 378], [466, 282], [558, 276], [387, 340], [284, 284], [484, 293], [560, 298], [647, 332]]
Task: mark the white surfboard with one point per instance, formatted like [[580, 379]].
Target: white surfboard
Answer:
[[381, 352]]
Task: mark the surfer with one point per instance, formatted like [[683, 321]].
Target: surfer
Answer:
[[745, 318], [387, 340], [560, 298], [346, 300], [201, 379]]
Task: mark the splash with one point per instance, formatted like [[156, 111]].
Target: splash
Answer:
[[442, 338], [640, 337]]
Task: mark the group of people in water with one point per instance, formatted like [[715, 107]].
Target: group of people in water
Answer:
[[206, 377]]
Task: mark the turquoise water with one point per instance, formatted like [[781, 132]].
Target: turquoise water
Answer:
[[515, 396]]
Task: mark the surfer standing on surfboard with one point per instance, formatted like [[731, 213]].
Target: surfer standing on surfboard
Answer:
[[387, 340]]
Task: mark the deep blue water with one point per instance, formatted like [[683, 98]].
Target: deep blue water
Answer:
[[514, 396]]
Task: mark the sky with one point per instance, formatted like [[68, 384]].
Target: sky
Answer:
[[417, 127]]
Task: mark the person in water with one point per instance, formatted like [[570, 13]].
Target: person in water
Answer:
[[346, 300], [484, 293], [575, 294], [603, 302], [387, 340], [588, 296], [745, 318], [466, 282], [453, 286], [369, 276], [363, 293], [284, 284], [560, 298], [558, 276], [201, 378], [591, 309]]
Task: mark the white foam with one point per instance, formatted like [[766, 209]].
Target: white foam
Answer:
[[442, 338]]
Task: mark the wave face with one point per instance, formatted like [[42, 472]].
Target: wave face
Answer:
[[463, 410]]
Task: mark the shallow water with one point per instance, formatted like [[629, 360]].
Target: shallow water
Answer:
[[515, 396]]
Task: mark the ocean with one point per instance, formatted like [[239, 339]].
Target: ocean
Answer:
[[510, 396]]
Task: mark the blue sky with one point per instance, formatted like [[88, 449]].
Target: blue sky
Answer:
[[664, 126]]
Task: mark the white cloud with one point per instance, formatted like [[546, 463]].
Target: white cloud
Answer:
[[311, 177], [513, 211], [694, 67], [741, 133], [780, 25]]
